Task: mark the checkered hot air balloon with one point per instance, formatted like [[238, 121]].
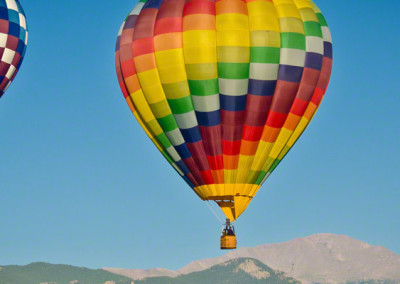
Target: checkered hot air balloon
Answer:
[[224, 88], [13, 41]]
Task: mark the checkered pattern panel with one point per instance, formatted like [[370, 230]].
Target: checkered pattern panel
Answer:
[[13, 41]]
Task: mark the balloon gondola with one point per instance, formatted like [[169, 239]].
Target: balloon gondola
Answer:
[[224, 88]]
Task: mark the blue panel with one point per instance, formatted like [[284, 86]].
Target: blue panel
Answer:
[[328, 50], [233, 103], [183, 167], [13, 16], [14, 29], [3, 13], [290, 73], [183, 151], [152, 4], [261, 87], [313, 60], [191, 135], [211, 118]]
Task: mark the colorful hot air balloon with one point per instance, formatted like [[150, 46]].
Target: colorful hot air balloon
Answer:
[[224, 88], [13, 41]]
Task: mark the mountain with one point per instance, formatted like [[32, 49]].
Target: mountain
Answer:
[[237, 271], [44, 273], [321, 258]]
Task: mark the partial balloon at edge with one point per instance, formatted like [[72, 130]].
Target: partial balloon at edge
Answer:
[[13, 41]]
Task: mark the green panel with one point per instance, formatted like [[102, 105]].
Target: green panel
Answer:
[[167, 123], [313, 29], [233, 70], [261, 54], [204, 87], [322, 20], [274, 165], [260, 177], [293, 40], [164, 141], [182, 105]]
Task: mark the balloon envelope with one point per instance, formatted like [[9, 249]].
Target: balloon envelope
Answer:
[[224, 88], [13, 41]]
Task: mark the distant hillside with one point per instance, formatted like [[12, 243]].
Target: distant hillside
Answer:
[[321, 258], [238, 271], [37, 273]]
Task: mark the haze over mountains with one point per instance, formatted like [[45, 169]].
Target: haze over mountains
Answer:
[[322, 258]]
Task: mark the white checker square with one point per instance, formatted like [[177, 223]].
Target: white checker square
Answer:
[[10, 72], [3, 40], [12, 5], [8, 55]]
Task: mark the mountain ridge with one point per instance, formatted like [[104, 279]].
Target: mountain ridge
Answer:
[[323, 258]]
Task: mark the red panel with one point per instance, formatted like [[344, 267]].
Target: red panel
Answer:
[[171, 9], [231, 147], [143, 46], [199, 7], [299, 107], [276, 119], [168, 25], [252, 133], [144, 26], [284, 95], [216, 162]]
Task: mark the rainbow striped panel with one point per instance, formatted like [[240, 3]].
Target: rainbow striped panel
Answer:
[[224, 88]]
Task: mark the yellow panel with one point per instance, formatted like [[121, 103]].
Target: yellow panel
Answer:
[[300, 4], [202, 71], [280, 2], [233, 54], [141, 105], [148, 78], [197, 38], [220, 189], [245, 161], [297, 132], [161, 109], [154, 94], [287, 11], [291, 25], [170, 57], [315, 8], [172, 74], [264, 38], [200, 54], [233, 38], [264, 148], [308, 15], [230, 176], [283, 137], [261, 8], [263, 23], [229, 22], [176, 90], [155, 126]]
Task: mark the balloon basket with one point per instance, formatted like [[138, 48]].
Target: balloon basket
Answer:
[[228, 242]]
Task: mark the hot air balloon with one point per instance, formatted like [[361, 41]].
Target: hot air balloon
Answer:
[[13, 41], [224, 88]]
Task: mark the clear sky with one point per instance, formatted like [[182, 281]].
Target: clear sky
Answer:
[[81, 183]]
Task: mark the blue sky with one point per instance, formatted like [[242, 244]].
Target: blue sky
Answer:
[[81, 184]]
